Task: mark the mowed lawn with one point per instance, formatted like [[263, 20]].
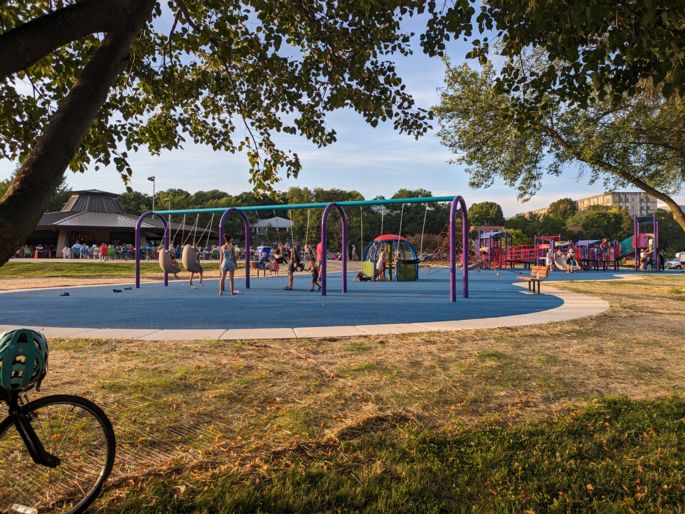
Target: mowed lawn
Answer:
[[567, 417], [83, 268]]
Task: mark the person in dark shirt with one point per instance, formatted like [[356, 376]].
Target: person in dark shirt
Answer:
[[315, 275]]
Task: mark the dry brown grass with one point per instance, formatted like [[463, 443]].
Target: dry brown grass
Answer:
[[198, 405]]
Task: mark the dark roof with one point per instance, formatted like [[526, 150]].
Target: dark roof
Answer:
[[95, 192], [103, 220], [93, 200]]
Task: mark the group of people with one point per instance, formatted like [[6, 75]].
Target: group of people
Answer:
[[102, 251], [385, 261], [569, 258], [288, 255]]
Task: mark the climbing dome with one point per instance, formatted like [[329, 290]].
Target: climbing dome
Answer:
[[402, 261]]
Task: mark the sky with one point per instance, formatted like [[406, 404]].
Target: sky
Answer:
[[373, 161]]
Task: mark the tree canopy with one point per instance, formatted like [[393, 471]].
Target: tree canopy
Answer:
[[639, 142], [84, 84], [595, 48], [563, 208], [486, 213]]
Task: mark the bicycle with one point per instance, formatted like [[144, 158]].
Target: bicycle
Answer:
[[56, 451]]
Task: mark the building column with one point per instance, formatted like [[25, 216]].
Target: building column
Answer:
[[62, 241]]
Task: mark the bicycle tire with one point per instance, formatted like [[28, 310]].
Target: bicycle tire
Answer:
[[29, 487]]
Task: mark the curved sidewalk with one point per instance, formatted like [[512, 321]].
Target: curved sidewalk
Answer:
[[575, 306]]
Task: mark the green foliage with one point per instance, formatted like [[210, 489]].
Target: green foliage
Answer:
[[134, 202], [671, 236], [594, 48], [228, 75], [551, 225], [519, 237], [563, 208], [496, 136], [600, 222], [486, 213], [59, 197], [614, 456]]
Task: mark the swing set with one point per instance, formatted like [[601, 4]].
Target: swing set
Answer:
[[189, 256], [457, 208]]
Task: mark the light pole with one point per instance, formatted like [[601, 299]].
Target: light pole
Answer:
[[152, 179]]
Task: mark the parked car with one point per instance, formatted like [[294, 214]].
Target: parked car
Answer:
[[676, 262]]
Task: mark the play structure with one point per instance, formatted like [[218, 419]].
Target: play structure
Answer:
[[640, 251], [588, 254], [457, 208], [645, 241], [402, 262], [493, 244]]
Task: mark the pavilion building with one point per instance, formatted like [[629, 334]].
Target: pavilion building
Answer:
[[94, 216]]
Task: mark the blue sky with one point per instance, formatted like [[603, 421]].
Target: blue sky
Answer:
[[374, 161]]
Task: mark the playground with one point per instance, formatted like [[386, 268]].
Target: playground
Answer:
[[501, 417], [433, 380]]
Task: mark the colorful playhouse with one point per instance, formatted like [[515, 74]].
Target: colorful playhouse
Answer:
[[402, 262]]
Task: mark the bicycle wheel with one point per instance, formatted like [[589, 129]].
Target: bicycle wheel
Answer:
[[71, 428]]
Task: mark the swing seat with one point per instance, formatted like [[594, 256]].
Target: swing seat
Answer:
[[165, 262], [190, 261]]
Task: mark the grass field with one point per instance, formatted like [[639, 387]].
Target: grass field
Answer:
[[578, 416]]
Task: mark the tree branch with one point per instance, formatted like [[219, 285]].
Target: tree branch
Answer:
[[24, 45], [42, 171], [239, 101], [675, 209]]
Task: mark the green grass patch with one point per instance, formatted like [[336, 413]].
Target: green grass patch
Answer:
[[84, 269], [675, 290], [616, 455]]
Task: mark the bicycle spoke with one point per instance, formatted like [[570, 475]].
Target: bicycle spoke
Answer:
[[70, 429]]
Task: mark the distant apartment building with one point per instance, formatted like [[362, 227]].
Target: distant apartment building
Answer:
[[636, 203], [537, 212]]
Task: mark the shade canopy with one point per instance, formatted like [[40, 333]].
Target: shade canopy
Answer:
[[389, 237], [275, 222]]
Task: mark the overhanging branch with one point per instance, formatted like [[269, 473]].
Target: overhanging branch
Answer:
[[24, 45]]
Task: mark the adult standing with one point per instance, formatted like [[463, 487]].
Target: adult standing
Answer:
[[319, 253], [227, 265], [292, 265], [380, 264], [549, 260]]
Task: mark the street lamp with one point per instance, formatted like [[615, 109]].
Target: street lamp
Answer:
[[152, 179]]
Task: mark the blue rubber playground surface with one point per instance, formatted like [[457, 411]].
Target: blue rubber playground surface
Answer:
[[267, 305]]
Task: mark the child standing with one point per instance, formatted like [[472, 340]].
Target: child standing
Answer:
[[315, 275]]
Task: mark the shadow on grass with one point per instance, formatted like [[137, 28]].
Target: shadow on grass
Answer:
[[616, 455]]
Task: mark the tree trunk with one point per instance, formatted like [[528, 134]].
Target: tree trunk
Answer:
[[24, 202]]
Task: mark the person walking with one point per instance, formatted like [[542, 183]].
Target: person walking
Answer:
[[227, 264]]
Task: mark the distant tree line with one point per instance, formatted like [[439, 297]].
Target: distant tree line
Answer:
[[562, 217]]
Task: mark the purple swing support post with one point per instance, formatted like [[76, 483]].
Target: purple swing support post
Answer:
[[343, 218], [458, 206], [139, 224], [246, 228]]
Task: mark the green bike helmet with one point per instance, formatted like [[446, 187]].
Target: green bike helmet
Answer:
[[23, 359]]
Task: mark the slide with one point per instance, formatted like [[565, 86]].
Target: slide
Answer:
[[560, 263], [627, 247]]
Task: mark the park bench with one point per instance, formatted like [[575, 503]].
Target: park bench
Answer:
[[537, 275]]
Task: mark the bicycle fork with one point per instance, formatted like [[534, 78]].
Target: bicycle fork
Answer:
[[29, 436]]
